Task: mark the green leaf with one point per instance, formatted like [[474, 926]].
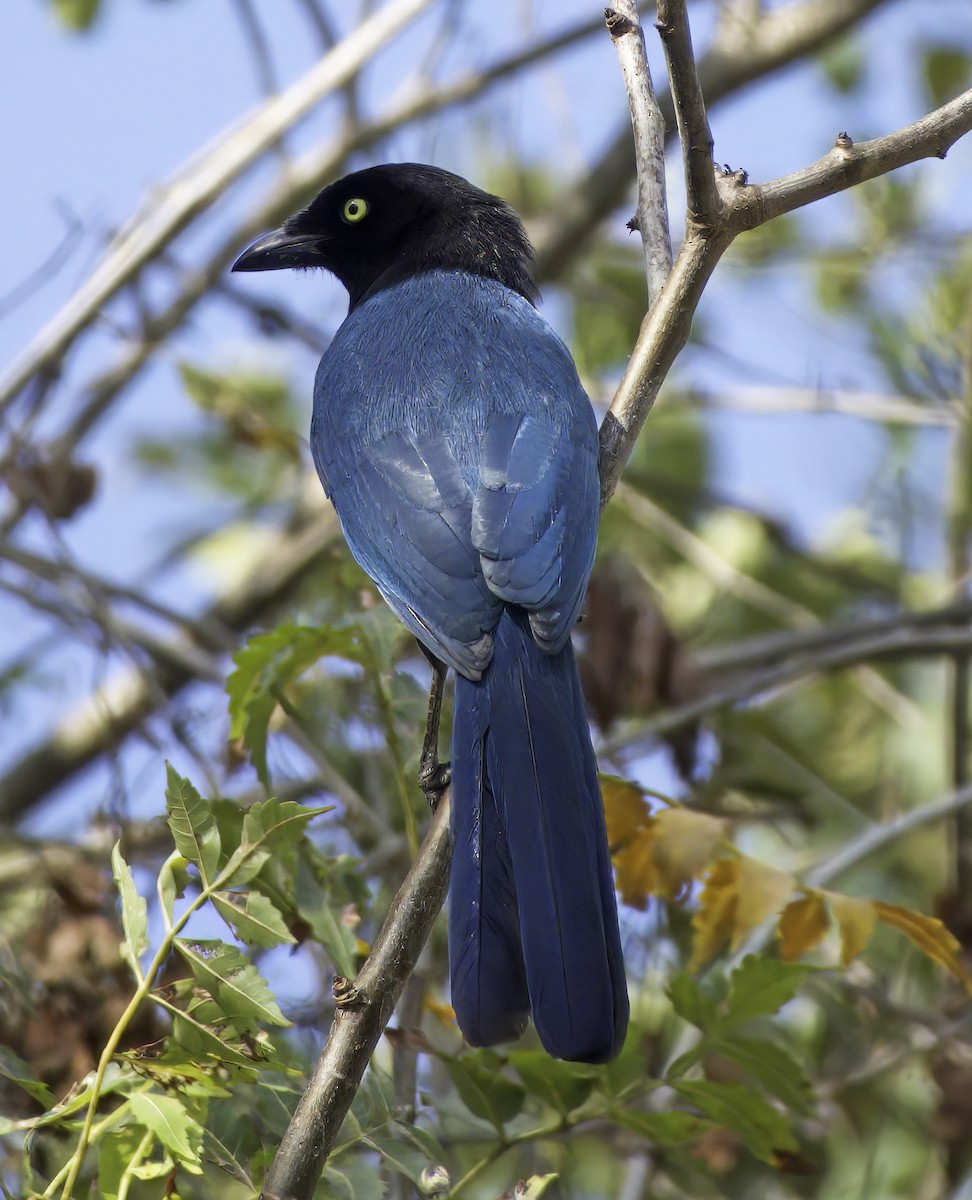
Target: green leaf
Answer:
[[116, 1149], [77, 15], [173, 880], [484, 1091], [313, 905], [134, 912], [673, 1128], [253, 917], [760, 986], [266, 664], [193, 826], [232, 981], [564, 1086], [691, 1003], [198, 1039], [269, 827], [17, 1071], [735, 1106], [946, 69], [167, 1118], [772, 1066]]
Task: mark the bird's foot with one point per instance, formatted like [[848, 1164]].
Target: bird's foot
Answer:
[[434, 778]]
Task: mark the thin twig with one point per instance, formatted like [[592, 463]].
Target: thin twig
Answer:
[[702, 196], [258, 45], [201, 182], [879, 836], [738, 55], [648, 125], [898, 644], [666, 328], [113, 711]]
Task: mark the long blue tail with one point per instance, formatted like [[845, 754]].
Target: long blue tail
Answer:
[[533, 923]]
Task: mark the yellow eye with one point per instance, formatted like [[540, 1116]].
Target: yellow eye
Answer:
[[354, 210]]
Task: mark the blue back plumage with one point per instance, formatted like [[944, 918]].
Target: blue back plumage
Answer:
[[453, 435]]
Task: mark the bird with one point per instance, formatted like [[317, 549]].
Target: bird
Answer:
[[460, 450]]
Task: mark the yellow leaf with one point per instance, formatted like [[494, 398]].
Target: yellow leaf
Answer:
[[634, 867], [930, 936], [762, 891], [855, 919], [445, 1012], [625, 810], [739, 894], [715, 920], [684, 843], [802, 924]]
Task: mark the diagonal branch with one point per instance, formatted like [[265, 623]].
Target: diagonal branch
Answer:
[[125, 702], [651, 218], [203, 181], [702, 196], [666, 328]]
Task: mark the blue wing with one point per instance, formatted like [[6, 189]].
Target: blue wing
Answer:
[[460, 451]]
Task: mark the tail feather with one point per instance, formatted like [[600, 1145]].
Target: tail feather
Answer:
[[539, 784], [489, 991]]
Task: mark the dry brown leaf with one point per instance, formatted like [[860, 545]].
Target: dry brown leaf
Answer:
[[855, 918], [930, 935], [802, 924]]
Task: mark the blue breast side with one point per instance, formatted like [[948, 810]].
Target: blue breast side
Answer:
[[460, 451]]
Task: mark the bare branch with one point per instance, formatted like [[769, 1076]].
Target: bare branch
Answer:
[[878, 836], [863, 406], [126, 701], [740, 53], [258, 45], [666, 328], [201, 182], [363, 1010], [664, 332], [702, 197], [898, 643], [849, 164], [648, 125]]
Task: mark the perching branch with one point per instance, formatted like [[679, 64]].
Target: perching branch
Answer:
[[648, 124], [363, 1010]]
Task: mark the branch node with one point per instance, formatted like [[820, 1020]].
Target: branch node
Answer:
[[618, 25], [634, 225], [844, 141], [346, 995]]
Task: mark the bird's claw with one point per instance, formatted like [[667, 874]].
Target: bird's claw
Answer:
[[434, 778]]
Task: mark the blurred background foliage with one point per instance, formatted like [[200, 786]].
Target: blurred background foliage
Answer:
[[793, 663]]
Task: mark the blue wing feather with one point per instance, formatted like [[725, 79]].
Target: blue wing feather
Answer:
[[460, 451]]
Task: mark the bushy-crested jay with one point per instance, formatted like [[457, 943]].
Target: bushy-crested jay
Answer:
[[460, 451]]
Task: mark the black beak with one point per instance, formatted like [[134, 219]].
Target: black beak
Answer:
[[279, 249]]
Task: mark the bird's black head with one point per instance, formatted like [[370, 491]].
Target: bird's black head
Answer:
[[385, 224]]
